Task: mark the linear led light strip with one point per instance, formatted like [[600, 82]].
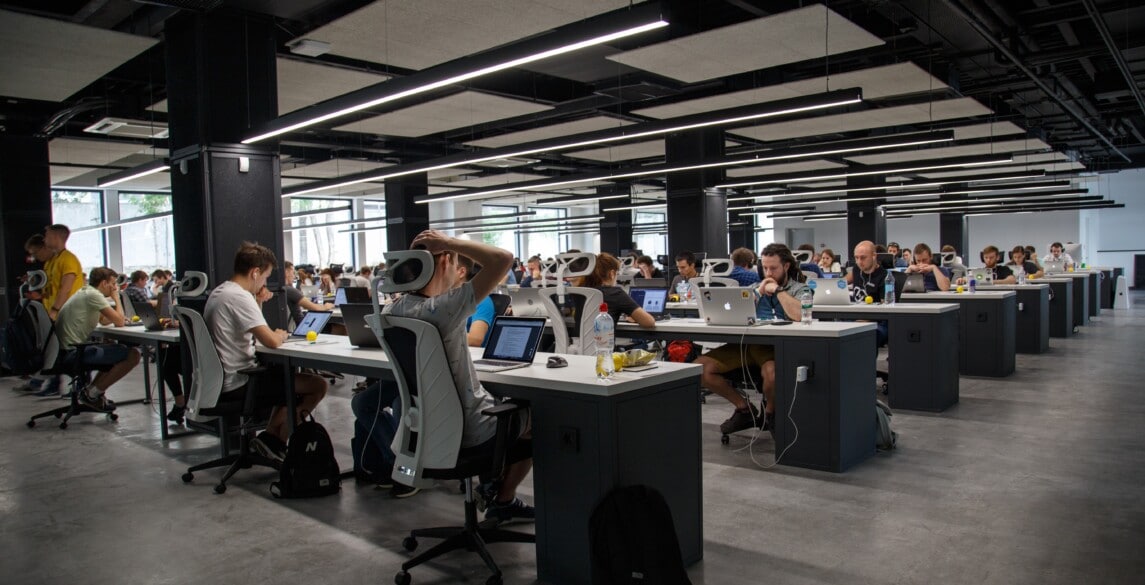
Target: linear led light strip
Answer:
[[987, 197], [897, 170], [991, 204], [900, 186], [635, 207], [134, 173], [500, 226], [670, 169], [455, 79], [900, 196]]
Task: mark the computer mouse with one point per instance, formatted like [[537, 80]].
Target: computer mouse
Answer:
[[556, 361]]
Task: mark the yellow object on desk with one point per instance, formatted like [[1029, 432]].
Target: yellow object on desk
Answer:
[[311, 336]]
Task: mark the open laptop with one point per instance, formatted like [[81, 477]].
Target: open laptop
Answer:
[[147, 316], [829, 291], [982, 276], [652, 300], [354, 318], [731, 306], [513, 343], [526, 302], [1053, 266], [351, 294], [911, 283], [312, 321], [310, 291]]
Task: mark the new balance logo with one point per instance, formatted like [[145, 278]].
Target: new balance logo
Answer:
[[312, 447]]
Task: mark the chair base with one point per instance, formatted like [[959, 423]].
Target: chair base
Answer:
[[74, 407], [246, 458]]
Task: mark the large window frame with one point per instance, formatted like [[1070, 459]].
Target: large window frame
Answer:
[[76, 209], [156, 233], [323, 244]]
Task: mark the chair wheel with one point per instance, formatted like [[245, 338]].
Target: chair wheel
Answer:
[[31, 423], [221, 488], [724, 439], [493, 580], [409, 543], [188, 477], [64, 425], [402, 578], [112, 416]]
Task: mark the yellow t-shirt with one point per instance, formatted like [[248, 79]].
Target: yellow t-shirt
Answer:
[[61, 264]]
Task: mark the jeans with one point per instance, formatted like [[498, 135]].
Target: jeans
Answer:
[[371, 421]]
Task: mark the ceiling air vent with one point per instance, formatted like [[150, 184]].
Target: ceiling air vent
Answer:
[[506, 163], [128, 128]]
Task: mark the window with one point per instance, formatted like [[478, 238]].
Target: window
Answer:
[[77, 209], [502, 238], [548, 243], [326, 244], [764, 231], [376, 244], [650, 232], [147, 244]]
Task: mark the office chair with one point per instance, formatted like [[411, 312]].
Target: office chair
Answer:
[[206, 401], [575, 339], [500, 303], [714, 273], [427, 446]]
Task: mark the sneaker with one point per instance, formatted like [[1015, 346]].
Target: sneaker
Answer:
[[94, 402], [51, 389], [740, 420], [269, 446], [767, 421], [506, 511], [486, 494], [380, 482], [176, 414], [32, 385], [403, 491]]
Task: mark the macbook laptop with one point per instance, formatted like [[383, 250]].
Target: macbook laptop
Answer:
[[526, 302], [312, 321], [351, 294], [652, 300], [982, 276], [911, 283], [829, 291], [147, 316], [357, 329], [310, 291], [732, 306], [513, 343], [1053, 266]]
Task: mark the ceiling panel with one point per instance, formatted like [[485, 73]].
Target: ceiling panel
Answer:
[[951, 151], [648, 149], [448, 113], [417, 35], [333, 168], [94, 152], [494, 180], [865, 120], [795, 167], [987, 130], [45, 59], [793, 36], [552, 131], [877, 82], [89, 177]]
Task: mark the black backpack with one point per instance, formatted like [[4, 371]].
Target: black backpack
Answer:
[[19, 352], [309, 469], [634, 540]]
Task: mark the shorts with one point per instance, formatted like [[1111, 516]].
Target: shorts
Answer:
[[731, 356], [99, 356], [269, 387], [520, 448]]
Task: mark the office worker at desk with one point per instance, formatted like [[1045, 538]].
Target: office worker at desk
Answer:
[[868, 279], [1057, 254], [603, 278], [234, 316], [137, 288], [935, 278], [479, 324], [447, 306], [990, 257], [686, 266], [295, 300], [1019, 262], [742, 271]]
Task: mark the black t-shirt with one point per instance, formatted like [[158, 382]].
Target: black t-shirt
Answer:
[[1000, 272], [619, 303], [872, 284], [293, 297]]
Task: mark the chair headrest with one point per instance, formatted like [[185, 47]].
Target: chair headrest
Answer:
[[576, 264], [193, 284], [717, 266], [36, 280], [947, 258], [406, 270], [803, 256], [121, 280]]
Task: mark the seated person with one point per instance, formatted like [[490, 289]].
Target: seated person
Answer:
[[480, 323], [990, 258], [326, 284], [295, 301], [948, 249], [778, 298], [78, 318], [603, 278], [1032, 256], [447, 306], [935, 278], [532, 271], [827, 262], [1020, 265], [686, 265], [161, 281], [1057, 254], [234, 317], [868, 279], [742, 271], [812, 265], [901, 261], [137, 288], [374, 431], [647, 269]]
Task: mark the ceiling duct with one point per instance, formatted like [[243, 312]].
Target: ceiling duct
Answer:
[[128, 128]]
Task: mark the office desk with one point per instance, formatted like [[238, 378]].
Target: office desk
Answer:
[[1032, 327], [922, 347], [588, 438], [1108, 284], [1081, 290], [1061, 306], [832, 408], [986, 329], [150, 340], [686, 309]]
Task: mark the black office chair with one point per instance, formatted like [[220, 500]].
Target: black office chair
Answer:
[[500, 303], [428, 443], [233, 411], [71, 363]]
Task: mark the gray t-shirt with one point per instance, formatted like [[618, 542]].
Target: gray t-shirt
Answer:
[[231, 313], [448, 312]]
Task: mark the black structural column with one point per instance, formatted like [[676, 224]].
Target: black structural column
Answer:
[[741, 231], [697, 213], [616, 227], [25, 208], [221, 82], [952, 230], [405, 218], [866, 220]]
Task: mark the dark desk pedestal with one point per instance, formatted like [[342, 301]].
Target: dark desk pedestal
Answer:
[[1060, 307], [1094, 282], [1081, 289], [986, 328], [1032, 327], [1108, 284]]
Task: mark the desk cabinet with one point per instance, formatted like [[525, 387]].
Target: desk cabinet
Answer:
[[1060, 307]]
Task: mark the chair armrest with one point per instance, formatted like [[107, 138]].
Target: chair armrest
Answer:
[[503, 409], [253, 371]]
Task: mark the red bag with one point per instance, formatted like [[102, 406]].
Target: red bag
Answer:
[[682, 351]]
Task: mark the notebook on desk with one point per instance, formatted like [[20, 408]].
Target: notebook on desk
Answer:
[[652, 300], [513, 343], [354, 318], [313, 321], [732, 306]]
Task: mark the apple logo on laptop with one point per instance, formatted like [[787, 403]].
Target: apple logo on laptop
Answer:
[[727, 306]]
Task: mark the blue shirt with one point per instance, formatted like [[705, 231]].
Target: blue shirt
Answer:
[[901, 263], [768, 307], [930, 283], [744, 276], [812, 267], [484, 313]]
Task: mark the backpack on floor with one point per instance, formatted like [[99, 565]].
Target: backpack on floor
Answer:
[[634, 540], [885, 437], [682, 351], [309, 469], [19, 351]]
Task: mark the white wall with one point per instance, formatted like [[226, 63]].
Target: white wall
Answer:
[[1028, 229], [917, 229], [1116, 229]]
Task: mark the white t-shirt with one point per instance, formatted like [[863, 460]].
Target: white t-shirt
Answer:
[[231, 313], [80, 315], [448, 312], [1063, 258]]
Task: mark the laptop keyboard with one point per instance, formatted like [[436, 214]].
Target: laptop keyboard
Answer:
[[496, 363]]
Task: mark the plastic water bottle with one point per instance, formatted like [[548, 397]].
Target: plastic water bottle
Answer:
[[973, 284], [1021, 274], [604, 336], [805, 302], [889, 290]]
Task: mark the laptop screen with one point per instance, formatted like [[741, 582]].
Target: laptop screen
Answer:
[[340, 297], [312, 321], [514, 338], [650, 299]]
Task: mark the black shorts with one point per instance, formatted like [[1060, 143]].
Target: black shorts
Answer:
[[519, 448], [270, 387]]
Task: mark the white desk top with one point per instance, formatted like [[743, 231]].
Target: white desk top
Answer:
[[138, 333], [902, 308], [1027, 286], [687, 305], [956, 296], [822, 329], [1060, 275], [579, 377]]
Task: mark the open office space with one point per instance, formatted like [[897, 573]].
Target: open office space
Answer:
[[166, 133]]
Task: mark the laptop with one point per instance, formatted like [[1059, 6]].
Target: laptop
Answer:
[[829, 291], [147, 316], [526, 302], [982, 276], [310, 291], [911, 283], [513, 343], [731, 306], [652, 300], [1053, 266], [312, 321], [354, 318]]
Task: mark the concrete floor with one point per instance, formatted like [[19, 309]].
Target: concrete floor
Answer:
[[1036, 478]]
